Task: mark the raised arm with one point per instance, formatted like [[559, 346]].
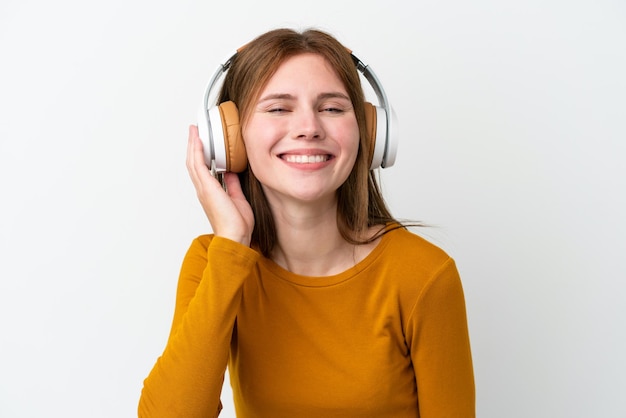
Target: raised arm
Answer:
[[186, 380]]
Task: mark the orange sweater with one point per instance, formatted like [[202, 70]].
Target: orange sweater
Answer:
[[386, 338]]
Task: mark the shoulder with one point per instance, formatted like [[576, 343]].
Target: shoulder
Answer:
[[197, 251], [411, 270], [409, 264], [217, 249], [201, 242], [413, 251], [194, 263]]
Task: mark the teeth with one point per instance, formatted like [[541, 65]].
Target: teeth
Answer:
[[305, 159]]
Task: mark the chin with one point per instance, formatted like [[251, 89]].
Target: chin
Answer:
[[311, 196]]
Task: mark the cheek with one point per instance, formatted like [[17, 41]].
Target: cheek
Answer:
[[352, 138], [261, 134], [258, 140], [252, 137]]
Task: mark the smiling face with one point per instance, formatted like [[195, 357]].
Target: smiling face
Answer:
[[301, 135]]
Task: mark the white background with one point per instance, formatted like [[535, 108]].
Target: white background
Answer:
[[513, 124]]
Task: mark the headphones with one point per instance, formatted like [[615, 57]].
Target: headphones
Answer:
[[220, 131]]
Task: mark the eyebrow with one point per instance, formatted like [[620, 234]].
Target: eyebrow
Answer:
[[287, 96]]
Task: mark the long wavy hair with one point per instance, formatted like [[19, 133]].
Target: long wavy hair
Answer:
[[360, 202]]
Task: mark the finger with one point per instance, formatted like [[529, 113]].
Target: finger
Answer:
[[196, 165], [192, 145], [233, 185]]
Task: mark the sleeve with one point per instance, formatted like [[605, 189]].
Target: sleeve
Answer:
[[186, 380], [438, 338]]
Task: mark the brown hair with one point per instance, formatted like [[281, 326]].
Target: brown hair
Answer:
[[360, 203]]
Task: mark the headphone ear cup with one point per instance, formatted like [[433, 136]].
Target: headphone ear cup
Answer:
[[235, 150], [376, 125]]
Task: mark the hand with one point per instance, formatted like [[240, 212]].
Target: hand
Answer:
[[228, 211]]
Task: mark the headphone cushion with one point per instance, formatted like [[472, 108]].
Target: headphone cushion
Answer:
[[236, 159]]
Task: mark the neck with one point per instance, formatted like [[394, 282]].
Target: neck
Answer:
[[309, 242]]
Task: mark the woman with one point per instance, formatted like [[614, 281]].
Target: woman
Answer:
[[321, 304]]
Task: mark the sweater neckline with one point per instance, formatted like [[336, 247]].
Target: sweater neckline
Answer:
[[281, 273]]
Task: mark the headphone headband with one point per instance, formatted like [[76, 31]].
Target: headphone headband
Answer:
[[391, 144]]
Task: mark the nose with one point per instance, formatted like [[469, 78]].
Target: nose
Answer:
[[307, 124]]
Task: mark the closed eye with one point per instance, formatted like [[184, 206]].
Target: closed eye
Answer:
[[278, 109], [335, 109]]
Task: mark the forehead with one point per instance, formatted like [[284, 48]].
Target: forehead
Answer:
[[305, 71]]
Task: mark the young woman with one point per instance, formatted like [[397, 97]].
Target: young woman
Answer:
[[320, 303]]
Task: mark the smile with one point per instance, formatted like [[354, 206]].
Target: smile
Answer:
[[306, 159]]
